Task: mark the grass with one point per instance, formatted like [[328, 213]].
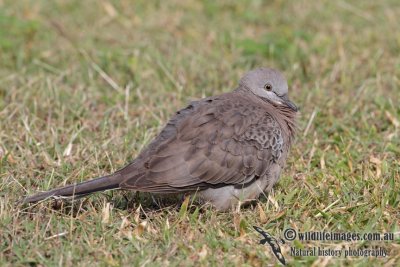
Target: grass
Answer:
[[85, 85]]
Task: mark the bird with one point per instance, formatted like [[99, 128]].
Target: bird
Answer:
[[226, 149]]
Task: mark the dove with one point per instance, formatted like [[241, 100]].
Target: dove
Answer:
[[226, 149]]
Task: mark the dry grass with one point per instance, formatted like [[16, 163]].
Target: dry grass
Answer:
[[85, 86]]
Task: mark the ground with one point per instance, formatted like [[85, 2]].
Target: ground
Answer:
[[85, 85]]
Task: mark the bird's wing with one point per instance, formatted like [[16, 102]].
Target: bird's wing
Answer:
[[226, 140]]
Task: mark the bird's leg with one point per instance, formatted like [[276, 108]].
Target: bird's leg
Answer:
[[156, 202]]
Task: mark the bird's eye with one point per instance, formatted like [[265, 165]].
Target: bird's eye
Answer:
[[268, 87]]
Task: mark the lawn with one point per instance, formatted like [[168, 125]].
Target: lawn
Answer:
[[85, 85]]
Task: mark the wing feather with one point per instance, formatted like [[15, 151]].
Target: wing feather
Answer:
[[212, 142]]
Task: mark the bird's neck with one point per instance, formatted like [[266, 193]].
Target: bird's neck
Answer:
[[285, 116], [289, 118]]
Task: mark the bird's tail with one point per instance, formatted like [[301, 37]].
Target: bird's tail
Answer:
[[99, 184]]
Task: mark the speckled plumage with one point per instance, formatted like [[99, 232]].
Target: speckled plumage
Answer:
[[227, 148]]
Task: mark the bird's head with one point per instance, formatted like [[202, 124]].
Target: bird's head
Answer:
[[269, 84]]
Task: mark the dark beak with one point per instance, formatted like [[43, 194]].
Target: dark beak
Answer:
[[289, 103]]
